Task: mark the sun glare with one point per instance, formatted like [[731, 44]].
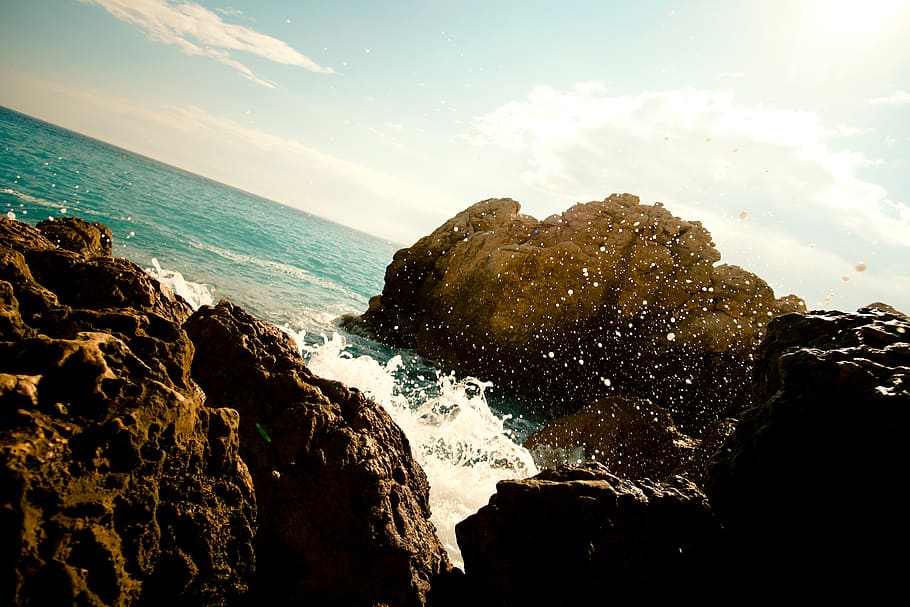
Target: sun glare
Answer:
[[857, 17]]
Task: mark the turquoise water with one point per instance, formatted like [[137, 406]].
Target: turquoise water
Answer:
[[209, 241]]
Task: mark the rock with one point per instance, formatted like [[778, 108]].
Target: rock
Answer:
[[74, 234], [608, 298], [343, 506], [808, 484], [570, 534], [119, 487], [632, 437], [48, 278]]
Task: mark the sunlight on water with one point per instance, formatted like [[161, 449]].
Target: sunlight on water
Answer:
[[460, 443]]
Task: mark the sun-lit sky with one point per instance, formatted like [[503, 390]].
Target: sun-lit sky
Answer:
[[783, 125]]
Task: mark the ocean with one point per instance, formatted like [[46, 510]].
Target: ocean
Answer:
[[208, 241]]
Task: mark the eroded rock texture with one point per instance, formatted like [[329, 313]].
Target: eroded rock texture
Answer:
[[611, 297], [117, 485], [809, 483], [343, 506], [123, 483], [572, 535]]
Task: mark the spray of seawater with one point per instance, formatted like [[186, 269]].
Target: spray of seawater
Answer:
[[461, 444], [194, 293]]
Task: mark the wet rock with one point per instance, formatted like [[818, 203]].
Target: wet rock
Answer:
[[808, 484], [570, 534], [608, 298], [632, 437], [117, 485], [77, 235], [343, 506]]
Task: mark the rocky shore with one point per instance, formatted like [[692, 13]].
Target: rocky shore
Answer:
[[150, 454]]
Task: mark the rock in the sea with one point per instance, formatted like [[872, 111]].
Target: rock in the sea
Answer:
[[343, 506], [809, 483], [569, 535], [117, 485], [610, 297], [632, 437]]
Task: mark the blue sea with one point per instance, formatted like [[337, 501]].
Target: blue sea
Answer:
[[208, 241]]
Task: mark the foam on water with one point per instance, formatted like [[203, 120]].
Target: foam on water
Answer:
[[194, 293], [463, 447]]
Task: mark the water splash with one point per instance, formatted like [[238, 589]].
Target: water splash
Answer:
[[194, 293], [463, 446]]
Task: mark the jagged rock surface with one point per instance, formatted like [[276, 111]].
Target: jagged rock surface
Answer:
[[809, 483], [123, 483], [568, 535], [610, 297], [119, 487], [344, 507]]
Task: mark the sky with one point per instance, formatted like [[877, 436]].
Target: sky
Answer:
[[782, 125]]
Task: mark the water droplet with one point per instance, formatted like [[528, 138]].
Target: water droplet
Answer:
[[860, 266]]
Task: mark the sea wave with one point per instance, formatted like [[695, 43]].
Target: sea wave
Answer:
[[462, 445]]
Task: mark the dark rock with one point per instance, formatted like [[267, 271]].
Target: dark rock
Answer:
[[632, 437], [74, 234], [610, 297], [568, 535], [343, 506], [809, 483], [117, 485]]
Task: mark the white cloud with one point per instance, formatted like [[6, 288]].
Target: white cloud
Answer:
[[703, 151], [197, 31], [899, 97]]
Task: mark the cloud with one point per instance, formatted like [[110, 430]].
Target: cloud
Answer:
[[704, 152], [197, 31], [899, 97]]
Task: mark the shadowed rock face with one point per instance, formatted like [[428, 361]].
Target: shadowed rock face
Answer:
[[808, 484], [343, 506], [118, 486], [610, 297], [570, 534]]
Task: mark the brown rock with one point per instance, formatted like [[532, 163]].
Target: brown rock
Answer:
[[610, 297], [632, 437], [79, 236], [117, 485], [343, 506]]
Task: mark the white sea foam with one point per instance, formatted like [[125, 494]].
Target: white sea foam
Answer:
[[460, 443], [196, 294]]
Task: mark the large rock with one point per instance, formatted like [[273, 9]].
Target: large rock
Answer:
[[119, 487], [569, 535], [809, 483], [610, 297], [343, 506]]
